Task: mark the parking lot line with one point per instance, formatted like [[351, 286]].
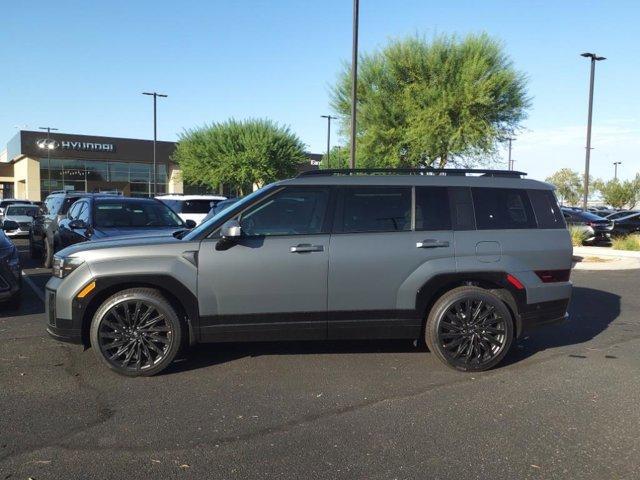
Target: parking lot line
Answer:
[[33, 286]]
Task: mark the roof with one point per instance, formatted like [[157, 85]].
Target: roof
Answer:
[[191, 197], [410, 180]]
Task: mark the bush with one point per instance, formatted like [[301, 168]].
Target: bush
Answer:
[[628, 242], [578, 236]]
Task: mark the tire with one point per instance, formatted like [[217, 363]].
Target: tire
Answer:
[[132, 344], [469, 345], [47, 256]]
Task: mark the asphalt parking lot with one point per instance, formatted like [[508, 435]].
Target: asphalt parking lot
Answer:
[[565, 405]]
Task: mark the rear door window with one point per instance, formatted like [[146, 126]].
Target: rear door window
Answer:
[[376, 209], [546, 209], [198, 206], [502, 209], [432, 208]]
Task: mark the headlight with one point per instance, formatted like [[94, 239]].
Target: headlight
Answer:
[[63, 266]]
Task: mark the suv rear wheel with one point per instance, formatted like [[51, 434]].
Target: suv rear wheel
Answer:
[[469, 329], [136, 332]]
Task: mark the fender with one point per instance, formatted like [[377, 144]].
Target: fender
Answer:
[[495, 281], [180, 297]]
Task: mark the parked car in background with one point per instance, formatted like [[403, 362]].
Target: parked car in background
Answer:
[[596, 229], [4, 203], [467, 260], [44, 228], [23, 215], [191, 207], [10, 269], [620, 214], [220, 207], [98, 217], [626, 225]]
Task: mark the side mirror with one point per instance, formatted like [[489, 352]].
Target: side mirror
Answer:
[[190, 223], [231, 230], [10, 225], [73, 224]]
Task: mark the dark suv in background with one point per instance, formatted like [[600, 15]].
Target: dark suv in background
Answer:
[[98, 217]]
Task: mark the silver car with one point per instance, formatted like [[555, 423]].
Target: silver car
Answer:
[[23, 215], [467, 260]]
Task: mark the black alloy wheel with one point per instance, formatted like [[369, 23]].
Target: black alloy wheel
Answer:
[[470, 329], [136, 332]]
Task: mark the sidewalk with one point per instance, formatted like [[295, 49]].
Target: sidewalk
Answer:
[[604, 258]]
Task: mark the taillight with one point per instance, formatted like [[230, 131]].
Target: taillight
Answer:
[[550, 276]]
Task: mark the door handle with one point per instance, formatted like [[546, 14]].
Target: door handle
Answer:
[[306, 248], [432, 243]]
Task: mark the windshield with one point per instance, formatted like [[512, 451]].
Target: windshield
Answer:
[[134, 214], [27, 210], [204, 226]]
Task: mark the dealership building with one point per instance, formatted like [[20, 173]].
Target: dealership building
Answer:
[[33, 164]]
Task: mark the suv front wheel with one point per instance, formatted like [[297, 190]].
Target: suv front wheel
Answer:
[[136, 332], [469, 329]]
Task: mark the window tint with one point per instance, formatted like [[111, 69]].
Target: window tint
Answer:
[[85, 212], [462, 207], [198, 206], [73, 212], [546, 209], [502, 208], [292, 211], [376, 209], [432, 208], [125, 214]]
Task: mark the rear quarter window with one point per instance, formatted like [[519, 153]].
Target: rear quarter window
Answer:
[[546, 209], [502, 209]]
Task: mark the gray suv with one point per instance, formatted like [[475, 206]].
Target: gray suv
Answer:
[[466, 259]]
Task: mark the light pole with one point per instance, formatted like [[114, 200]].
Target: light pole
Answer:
[[329, 118], [510, 162], [354, 82], [594, 58], [48, 145], [155, 96], [615, 166]]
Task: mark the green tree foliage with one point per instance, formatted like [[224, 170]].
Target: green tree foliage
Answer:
[[238, 153], [568, 185], [339, 158], [424, 103], [618, 193]]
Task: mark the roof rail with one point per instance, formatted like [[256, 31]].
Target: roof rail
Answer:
[[413, 171]]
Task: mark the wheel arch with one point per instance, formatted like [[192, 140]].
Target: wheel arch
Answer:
[[496, 282], [178, 295]]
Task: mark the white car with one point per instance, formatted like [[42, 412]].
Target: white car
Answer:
[[23, 215], [191, 207]]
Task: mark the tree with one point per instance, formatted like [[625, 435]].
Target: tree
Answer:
[[568, 185], [339, 158], [619, 194], [426, 103], [238, 153]]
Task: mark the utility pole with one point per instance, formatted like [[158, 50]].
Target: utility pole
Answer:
[[48, 145], [329, 118], [594, 58], [354, 82], [155, 96], [510, 162], [615, 166]]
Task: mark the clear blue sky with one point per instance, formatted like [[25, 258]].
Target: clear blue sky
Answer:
[[80, 66]]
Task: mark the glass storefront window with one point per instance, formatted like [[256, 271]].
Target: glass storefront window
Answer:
[[134, 179]]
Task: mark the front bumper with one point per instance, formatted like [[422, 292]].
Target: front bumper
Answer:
[[10, 285]]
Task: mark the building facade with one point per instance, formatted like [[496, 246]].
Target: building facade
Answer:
[[34, 164]]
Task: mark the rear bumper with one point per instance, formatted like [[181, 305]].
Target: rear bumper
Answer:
[[544, 313]]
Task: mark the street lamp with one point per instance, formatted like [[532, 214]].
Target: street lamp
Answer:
[[155, 96], [354, 82], [329, 118], [48, 145], [594, 58], [615, 166]]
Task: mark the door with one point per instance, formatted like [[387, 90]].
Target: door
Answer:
[[382, 252], [271, 283]]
